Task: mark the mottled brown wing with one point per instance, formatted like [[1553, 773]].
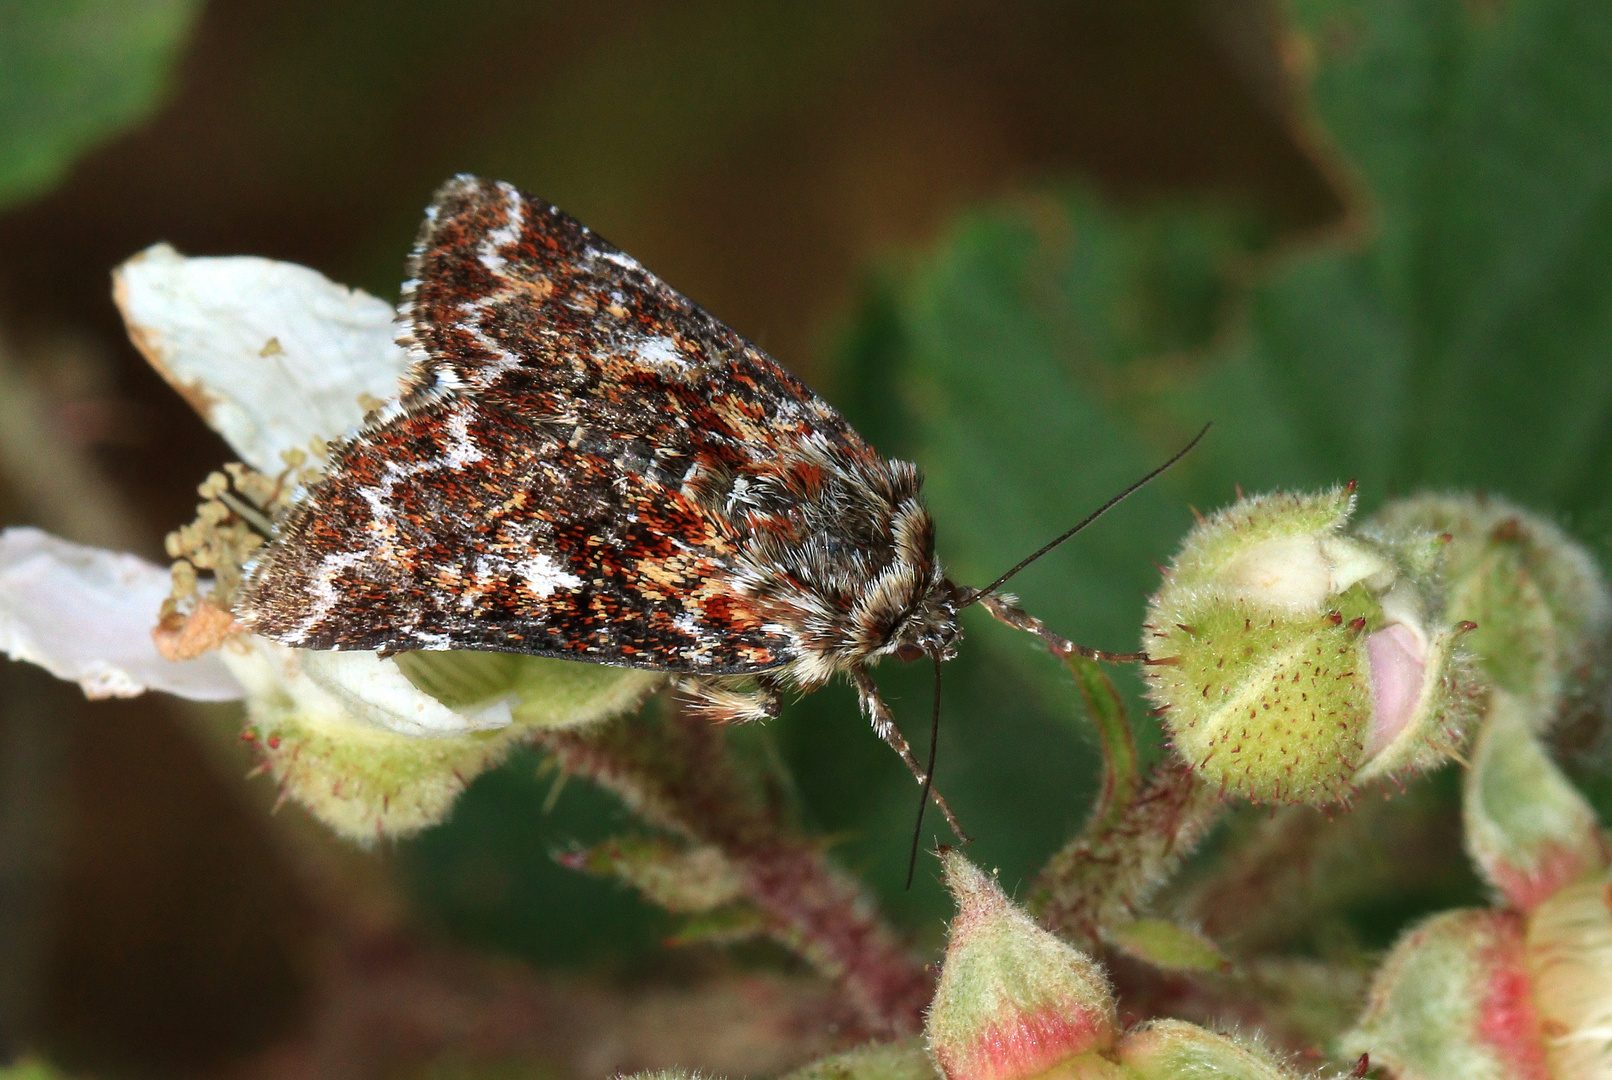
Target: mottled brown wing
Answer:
[[563, 472]]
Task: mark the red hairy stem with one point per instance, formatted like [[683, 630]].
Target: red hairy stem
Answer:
[[1114, 866], [1138, 831], [823, 914], [678, 773]]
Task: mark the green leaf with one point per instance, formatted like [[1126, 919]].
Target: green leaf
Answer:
[[1167, 945], [546, 692], [77, 72], [682, 878], [723, 926], [1468, 342], [29, 1068]]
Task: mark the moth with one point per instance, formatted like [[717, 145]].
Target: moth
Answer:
[[584, 464]]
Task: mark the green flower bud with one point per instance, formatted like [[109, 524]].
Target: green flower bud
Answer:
[[1538, 598], [1177, 1050], [1292, 661], [905, 1060], [1014, 1001]]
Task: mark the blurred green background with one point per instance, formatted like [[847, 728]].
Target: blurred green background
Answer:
[[1031, 246]]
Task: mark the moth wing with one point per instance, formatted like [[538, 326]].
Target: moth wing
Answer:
[[563, 471]]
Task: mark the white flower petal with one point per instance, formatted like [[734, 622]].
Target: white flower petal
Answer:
[[1283, 573], [351, 688], [1353, 562], [1298, 574], [86, 614], [271, 354]]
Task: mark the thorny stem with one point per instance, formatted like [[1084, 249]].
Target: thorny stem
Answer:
[[1138, 832], [678, 773], [381, 998], [1104, 875]]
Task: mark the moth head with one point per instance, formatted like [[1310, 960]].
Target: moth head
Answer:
[[910, 609], [933, 628]]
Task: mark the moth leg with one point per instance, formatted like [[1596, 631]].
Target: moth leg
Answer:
[[884, 726], [1007, 611], [721, 702]]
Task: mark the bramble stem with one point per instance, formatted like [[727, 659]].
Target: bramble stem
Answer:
[[1138, 831], [1103, 876], [1121, 774], [677, 772]]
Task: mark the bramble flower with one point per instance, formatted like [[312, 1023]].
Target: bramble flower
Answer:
[[86, 615], [1293, 661], [279, 360]]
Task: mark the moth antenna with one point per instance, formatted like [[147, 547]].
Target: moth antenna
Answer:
[[929, 774], [1089, 518]]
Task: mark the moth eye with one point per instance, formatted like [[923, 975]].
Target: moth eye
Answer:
[[634, 456], [909, 651], [670, 471]]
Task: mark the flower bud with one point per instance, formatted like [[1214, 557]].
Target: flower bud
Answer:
[[1014, 1001], [375, 747], [1495, 995], [1538, 598], [1177, 1050], [1454, 999], [1527, 827], [1292, 661]]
